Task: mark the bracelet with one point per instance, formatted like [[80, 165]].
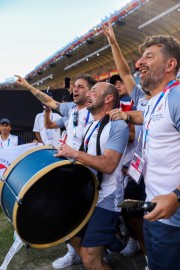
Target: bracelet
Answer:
[[128, 118], [37, 93]]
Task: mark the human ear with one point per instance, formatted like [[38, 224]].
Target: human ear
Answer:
[[171, 65]]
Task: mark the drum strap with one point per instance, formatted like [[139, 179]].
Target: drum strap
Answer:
[[104, 121]]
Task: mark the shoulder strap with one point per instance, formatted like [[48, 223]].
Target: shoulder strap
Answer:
[[81, 148], [104, 121]]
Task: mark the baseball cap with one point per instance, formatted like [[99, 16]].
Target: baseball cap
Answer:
[[5, 121]]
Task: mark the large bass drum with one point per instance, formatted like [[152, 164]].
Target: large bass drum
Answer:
[[48, 199]]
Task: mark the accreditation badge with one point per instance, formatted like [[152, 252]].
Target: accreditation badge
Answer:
[[136, 167]]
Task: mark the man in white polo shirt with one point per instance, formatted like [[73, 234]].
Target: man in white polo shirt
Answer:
[[158, 68], [43, 134]]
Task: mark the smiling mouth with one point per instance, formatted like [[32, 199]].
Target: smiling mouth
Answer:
[[143, 72]]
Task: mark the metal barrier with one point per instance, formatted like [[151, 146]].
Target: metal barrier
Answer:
[[26, 135]]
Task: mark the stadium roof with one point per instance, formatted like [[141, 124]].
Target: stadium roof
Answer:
[[91, 52]]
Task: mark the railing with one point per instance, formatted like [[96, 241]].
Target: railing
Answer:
[[26, 135]]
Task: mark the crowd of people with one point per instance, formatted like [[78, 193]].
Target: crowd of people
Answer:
[[128, 135]]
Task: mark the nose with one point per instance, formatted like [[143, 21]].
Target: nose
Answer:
[[140, 62], [75, 88], [88, 94]]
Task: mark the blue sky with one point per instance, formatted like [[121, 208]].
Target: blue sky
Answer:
[[32, 30]]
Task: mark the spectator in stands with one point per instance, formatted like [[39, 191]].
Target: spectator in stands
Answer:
[[44, 135], [158, 68], [101, 230], [6, 138]]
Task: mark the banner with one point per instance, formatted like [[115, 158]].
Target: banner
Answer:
[[9, 154]]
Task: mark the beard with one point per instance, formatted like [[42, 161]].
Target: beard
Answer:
[[153, 78], [80, 101], [96, 107]]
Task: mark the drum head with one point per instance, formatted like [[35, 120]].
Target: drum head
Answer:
[[56, 206]]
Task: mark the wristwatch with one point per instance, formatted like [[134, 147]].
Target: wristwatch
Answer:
[[177, 192], [128, 118]]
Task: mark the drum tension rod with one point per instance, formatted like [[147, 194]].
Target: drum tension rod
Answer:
[[72, 160], [19, 200]]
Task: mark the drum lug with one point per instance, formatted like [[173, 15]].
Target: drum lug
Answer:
[[28, 246], [18, 200], [2, 178]]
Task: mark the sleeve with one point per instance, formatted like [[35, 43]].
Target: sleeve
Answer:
[[118, 136], [174, 108], [65, 107], [136, 94], [61, 122]]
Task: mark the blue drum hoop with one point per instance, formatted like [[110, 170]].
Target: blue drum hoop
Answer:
[[29, 184]]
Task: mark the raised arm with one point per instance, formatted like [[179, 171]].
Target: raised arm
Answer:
[[47, 100], [120, 61], [47, 121]]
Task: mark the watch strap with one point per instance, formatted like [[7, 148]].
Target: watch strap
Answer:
[[177, 192]]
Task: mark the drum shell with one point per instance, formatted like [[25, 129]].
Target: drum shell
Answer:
[[41, 193]]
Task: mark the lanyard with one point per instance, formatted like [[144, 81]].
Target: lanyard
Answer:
[[88, 138], [139, 142], [169, 86], [75, 121], [8, 143], [87, 118]]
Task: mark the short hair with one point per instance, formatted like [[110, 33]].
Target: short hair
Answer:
[[112, 90], [115, 78], [170, 46], [90, 80]]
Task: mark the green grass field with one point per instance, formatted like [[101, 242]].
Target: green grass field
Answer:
[[25, 259]]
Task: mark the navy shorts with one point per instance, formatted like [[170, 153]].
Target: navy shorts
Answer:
[[101, 230], [163, 245]]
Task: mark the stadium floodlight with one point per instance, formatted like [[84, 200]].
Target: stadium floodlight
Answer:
[[159, 16], [87, 57]]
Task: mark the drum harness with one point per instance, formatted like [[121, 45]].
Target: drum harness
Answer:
[[103, 122]]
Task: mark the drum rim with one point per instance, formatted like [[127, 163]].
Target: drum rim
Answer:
[[17, 160], [75, 231], [14, 163]]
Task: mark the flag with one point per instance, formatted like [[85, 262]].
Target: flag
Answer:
[[9, 154]]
